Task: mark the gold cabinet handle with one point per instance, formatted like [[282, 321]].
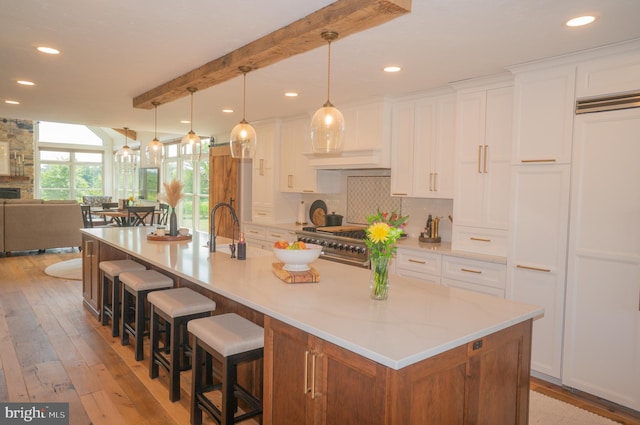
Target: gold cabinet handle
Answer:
[[479, 159], [528, 161], [313, 376], [261, 172], [399, 194], [486, 149], [435, 182], [537, 269], [276, 235], [480, 239], [306, 372], [290, 180], [253, 231], [411, 260], [308, 190], [470, 271], [430, 182]]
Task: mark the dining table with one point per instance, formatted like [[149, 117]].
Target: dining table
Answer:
[[119, 216]]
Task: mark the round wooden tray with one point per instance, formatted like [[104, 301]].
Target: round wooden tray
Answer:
[[167, 238]]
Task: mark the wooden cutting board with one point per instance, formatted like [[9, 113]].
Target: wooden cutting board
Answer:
[[336, 229], [309, 276]]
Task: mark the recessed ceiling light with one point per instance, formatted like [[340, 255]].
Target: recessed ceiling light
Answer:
[[48, 50], [12, 102], [26, 83], [392, 69], [291, 94], [185, 122], [228, 111], [580, 21]]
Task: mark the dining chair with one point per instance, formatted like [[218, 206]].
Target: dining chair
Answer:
[[140, 216], [164, 214], [109, 205], [87, 220]]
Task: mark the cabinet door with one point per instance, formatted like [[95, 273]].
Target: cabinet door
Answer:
[[262, 176], [402, 153], [286, 368], [537, 255], [296, 175], [497, 158], [424, 141], [602, 331], [543, 117], [91, 274], [443, 154]]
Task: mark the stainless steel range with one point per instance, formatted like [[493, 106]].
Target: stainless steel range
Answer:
[[343, 244]]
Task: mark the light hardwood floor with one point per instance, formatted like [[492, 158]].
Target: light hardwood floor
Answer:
[[52, 349]]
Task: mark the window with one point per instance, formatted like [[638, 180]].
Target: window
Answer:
[[68, 166], [70, 175], [193, 210]]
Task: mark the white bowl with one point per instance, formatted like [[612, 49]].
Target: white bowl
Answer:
[[183, 231], [297, 260]]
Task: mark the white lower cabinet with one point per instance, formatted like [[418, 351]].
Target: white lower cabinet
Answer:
[[421, 265], [537, 256], [263, 237], [602, 331], [476, 275]]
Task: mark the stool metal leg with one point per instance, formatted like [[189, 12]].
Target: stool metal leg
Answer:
[[139, 328], [105, 299], [197, 381], [124, 313], [174, 364], [115, 307], [154, 335]]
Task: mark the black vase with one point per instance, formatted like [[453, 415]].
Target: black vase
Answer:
[[173, 223]]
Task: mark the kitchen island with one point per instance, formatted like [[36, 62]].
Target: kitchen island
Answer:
[[428, 354]]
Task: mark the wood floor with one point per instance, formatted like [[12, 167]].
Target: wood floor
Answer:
[[52, 349]]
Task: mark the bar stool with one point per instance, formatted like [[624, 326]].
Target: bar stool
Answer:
[[111, 286], [136, 285], [231, 340], [176, 307]]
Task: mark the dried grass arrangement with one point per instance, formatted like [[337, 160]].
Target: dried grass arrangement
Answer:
[[172, 193]]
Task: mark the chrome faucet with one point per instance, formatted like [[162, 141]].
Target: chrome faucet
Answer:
[[212, 228]]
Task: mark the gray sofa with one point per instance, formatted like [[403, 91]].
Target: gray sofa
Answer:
[[30, 224]]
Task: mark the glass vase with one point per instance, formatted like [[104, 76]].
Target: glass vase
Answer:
[[379, 281], [173, 223]]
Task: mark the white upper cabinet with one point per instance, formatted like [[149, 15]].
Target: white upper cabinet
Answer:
[[367, 142], [615, 71], [544, 105], [423, 139]]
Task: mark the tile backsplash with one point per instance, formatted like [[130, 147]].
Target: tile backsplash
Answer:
[[363, 191]]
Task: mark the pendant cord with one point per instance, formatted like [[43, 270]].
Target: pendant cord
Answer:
[[329, 75], [155, 123], [244, 97]]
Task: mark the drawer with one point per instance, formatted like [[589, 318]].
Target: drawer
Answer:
[[274, 234], [473, 287], [477, 272], [425, 277], [479, 240], [251, 231], [261, 214], [416, 261]]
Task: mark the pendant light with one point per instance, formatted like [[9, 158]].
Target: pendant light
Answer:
[[243, 138], [155, 149], [126, 157], [327, 124], [191, 143]]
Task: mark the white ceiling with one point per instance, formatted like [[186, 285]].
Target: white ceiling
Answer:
[[113, 50]]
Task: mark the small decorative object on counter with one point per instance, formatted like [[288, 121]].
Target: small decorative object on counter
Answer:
[[383, 232], [431, 230], [172, 195], [242, 247]]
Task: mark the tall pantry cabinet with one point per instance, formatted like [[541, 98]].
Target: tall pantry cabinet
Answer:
[[540, 186], [483, 158]]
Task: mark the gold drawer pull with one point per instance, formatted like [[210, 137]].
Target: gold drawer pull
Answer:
[[399, 194], [306, 372], [537, 269], [254, 231], [470, 271], [411, 260], [480, 239], [528, 161]]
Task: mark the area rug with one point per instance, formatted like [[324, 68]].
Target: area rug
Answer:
[[70, 269], [545, 410]]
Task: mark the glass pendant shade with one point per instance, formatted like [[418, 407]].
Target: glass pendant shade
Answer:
[[155, 149], [125, 157], [243, 140], [327, 130], [327, 124], [191, 143]]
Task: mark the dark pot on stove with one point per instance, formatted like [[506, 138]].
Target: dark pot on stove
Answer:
[[333, 219]]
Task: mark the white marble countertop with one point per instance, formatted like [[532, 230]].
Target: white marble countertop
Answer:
[[418, 320]]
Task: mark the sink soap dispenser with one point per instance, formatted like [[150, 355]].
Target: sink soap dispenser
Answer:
[[242, 248]]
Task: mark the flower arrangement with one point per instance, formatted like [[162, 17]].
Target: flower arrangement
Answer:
[[383, 232], [172, 193]]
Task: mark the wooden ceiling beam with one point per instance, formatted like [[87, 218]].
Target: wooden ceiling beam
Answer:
[[130, 134], [343, 16]]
